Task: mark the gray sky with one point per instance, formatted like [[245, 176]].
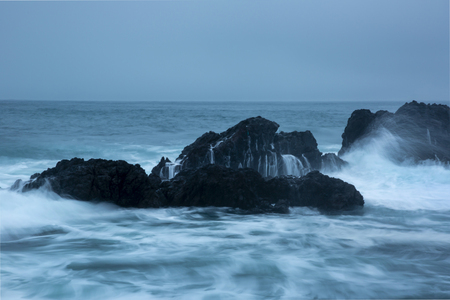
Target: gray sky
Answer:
[[225, 50]]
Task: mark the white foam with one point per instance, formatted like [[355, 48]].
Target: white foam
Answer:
[[26, 213], [405, 186]]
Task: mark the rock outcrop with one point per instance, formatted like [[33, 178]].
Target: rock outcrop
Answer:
[[214, 185], [118, 182], [422, 130], [211, 185], [315, 190], [254, 143]]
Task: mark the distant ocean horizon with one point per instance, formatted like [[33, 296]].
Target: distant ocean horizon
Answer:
[[56, 248]]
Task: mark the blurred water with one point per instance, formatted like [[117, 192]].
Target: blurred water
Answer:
[[54, 248]]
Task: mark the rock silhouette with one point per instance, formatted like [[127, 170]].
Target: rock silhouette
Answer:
[[211, 185], [118, 182], [254, 143], [421, 130]]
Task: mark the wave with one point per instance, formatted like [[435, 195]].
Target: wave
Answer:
[[25, 214], [403, 185]]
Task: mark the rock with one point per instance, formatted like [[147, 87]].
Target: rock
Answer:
[[211, 185], [363, 123], [161, 166], [315, 190], [357, 126], [243, 145], [18, 184], [332, 163], [254, 143], [422, 130], [99, 180], [300, 145], [214, 185]]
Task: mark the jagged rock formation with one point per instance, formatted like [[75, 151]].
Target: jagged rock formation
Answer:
[[165, 172], [97, 179], [253, 143], [422, 130], [211, 185]]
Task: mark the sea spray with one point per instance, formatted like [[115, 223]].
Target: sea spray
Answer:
[[404, 186], [26, 214]]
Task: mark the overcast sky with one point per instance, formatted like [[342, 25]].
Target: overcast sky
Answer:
[[225, 50]]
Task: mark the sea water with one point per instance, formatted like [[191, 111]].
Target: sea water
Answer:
[[55, 248]]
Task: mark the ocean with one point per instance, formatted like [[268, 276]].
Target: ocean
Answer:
[[56, 248]]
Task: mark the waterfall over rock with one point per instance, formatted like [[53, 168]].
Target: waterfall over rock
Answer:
[[293, 166], [254, 143]]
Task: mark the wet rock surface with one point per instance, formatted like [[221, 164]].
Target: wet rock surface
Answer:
[[214, 185], [315, 190], [118, 182], [160, 170], [211, 185], [254, 143], [422, 130]]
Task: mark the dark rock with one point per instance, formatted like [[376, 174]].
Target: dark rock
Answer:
[[35, 175], [300, 145], [246, 189], [243, 145], [253, 143], [161, 170], [363, 123], [422, 130], [211, 185], [315, 190], [99, 180], [357, 126], [281, 207], [326, 193], [330, 162], [199, 153]]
